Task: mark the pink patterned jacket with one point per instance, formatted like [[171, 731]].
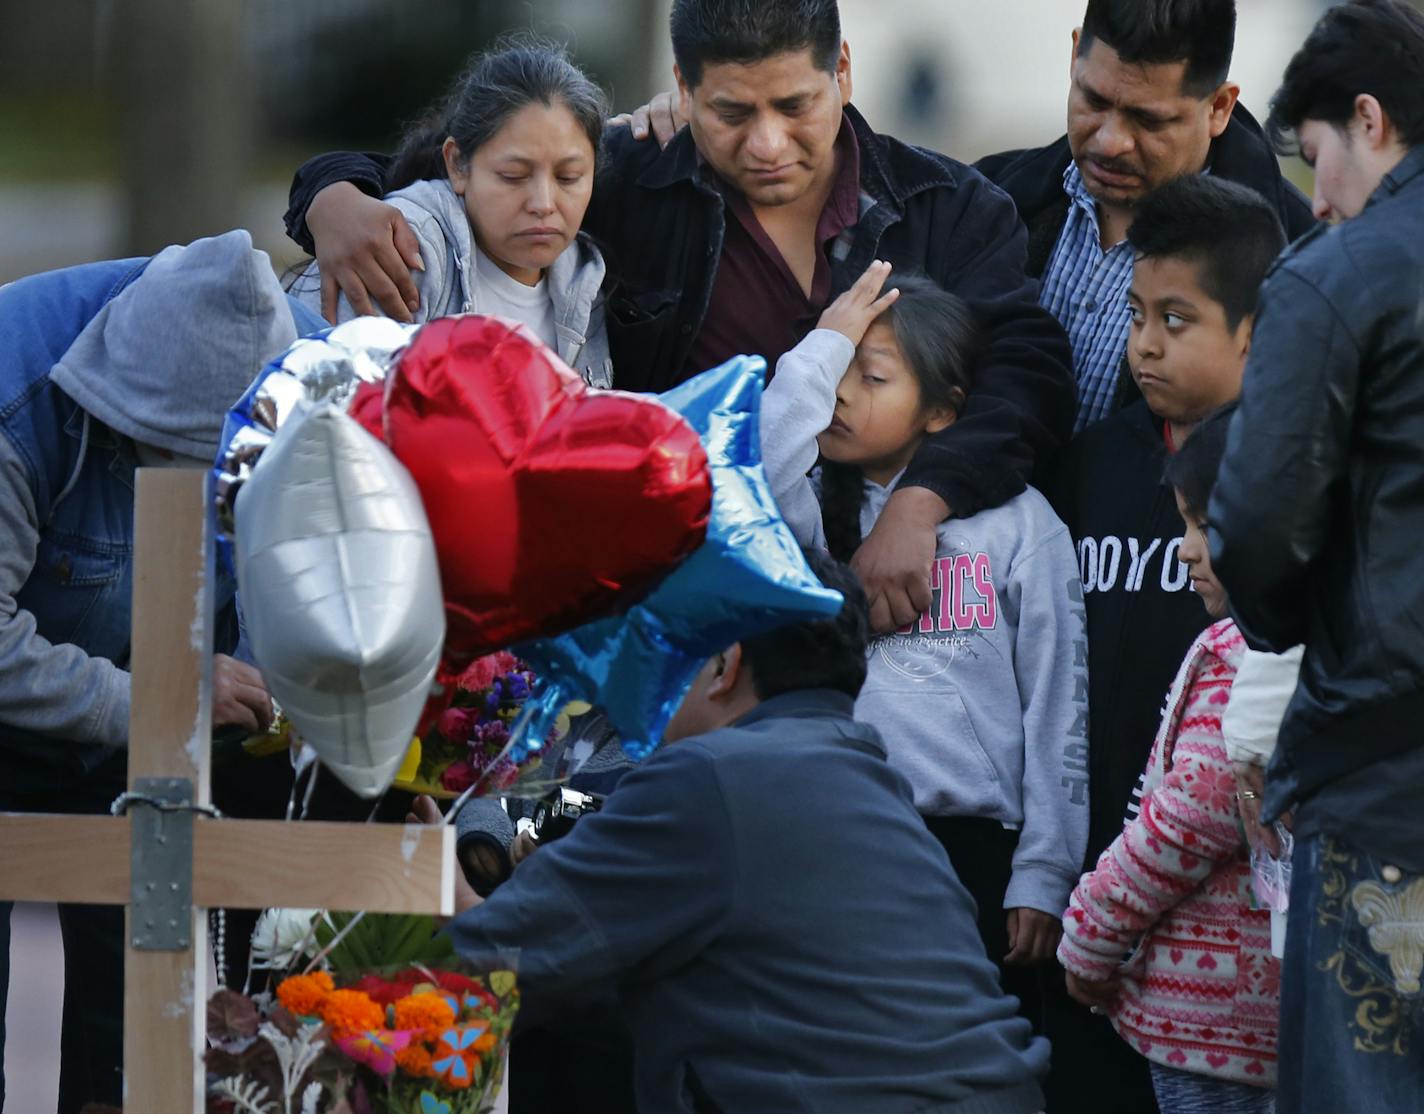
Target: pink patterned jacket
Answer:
[[1202, 990]]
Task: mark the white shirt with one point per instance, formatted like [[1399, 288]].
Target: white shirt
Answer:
[[499, 294], [1263, 687]]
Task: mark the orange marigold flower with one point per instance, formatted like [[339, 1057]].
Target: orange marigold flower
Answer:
[[350, 1012], [414, 1059], [485, 1043], [427, 1013], [304, 994]]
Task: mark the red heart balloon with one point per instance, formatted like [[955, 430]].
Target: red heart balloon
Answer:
[[551, 504]]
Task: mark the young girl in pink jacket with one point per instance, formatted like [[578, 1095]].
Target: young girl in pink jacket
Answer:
[[1164, 934]]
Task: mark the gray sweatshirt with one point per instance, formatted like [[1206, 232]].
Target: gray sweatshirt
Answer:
[[982, 702], [436, 214]]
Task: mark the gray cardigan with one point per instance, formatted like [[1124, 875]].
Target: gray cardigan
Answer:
[[436, 215]]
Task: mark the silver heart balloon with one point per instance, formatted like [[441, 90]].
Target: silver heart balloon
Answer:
[[340, 591]]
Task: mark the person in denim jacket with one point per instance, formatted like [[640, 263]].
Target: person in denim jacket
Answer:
[[106, 367]]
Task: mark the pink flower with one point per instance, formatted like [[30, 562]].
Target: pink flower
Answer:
[[502, 775], [456, 724], [458, 776], [483, 672]]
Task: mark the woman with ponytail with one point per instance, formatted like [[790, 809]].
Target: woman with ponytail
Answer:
[[982, 702], [495, 184]]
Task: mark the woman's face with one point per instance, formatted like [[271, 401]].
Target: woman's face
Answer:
[[527, 188]]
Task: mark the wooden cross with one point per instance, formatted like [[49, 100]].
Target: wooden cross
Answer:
[[248, 864]]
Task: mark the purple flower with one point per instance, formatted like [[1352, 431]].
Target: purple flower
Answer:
[[489, 736]]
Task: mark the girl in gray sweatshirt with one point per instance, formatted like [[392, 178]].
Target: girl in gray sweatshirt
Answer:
[[982, 701]]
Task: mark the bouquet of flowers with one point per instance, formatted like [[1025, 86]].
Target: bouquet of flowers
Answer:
[[469, 743], [420, 1038]]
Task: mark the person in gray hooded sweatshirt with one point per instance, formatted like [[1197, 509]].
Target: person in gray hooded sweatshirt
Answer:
[[495, 186], [982, 700], [103, 368]]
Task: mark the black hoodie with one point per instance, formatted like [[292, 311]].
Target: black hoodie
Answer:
[[1142, 611]]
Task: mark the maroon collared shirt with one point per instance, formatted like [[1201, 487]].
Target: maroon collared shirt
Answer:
[[757, 306]]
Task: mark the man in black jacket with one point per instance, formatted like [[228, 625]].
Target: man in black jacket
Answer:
[[1149, 101], [1318, 515], [737, 235]]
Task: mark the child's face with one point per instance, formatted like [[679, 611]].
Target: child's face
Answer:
[[1184, 357], [1196, 555], [879, 420]]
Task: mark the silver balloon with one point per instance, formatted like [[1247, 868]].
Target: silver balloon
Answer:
[[341, 591], [315, 369]]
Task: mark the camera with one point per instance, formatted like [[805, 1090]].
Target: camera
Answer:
[[556, 814]]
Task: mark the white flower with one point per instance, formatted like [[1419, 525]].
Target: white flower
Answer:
[[283, 936]]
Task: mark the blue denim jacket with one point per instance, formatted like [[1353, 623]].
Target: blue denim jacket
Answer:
[[81, 481], [80, 475]]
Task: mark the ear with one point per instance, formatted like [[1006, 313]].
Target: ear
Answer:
[[939, 418], [843, 72], [1371, 121], [724, 682], [1244, 332], [456, 169], [1223, 102], [1073, 57], [684, 93]]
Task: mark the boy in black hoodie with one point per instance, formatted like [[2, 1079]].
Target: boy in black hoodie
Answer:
[[1202, 247]]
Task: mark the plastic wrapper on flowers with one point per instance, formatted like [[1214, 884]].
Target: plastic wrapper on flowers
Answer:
[[404, 1040], [748, 577], [469, 745]]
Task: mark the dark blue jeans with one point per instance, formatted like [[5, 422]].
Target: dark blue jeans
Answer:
[[1352, 1012]]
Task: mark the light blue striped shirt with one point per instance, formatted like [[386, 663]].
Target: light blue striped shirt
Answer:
[[1086, 289]]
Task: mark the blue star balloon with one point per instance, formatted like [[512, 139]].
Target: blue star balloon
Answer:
[[748, 577]]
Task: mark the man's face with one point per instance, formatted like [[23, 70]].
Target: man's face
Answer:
[[1132, 129], [1185, 358], [769, 128], [697, 714], [1345, 175]]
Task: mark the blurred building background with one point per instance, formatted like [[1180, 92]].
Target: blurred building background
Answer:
[[129, 124]]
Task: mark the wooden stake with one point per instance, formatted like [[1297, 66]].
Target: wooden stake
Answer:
[[170, 727], [252, 864]]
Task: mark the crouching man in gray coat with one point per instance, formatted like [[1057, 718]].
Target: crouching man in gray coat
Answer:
[[780, 930]]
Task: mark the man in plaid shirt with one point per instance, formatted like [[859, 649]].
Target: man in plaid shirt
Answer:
[[1149, 102]]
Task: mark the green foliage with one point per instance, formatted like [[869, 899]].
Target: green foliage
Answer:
[[383, 941]]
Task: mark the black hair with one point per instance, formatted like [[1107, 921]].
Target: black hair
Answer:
[[709, 31], [1201, 33], [820, 654], [1368, 46], [938, 336], [518, 71], [1192, 469], [1228, 229]]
